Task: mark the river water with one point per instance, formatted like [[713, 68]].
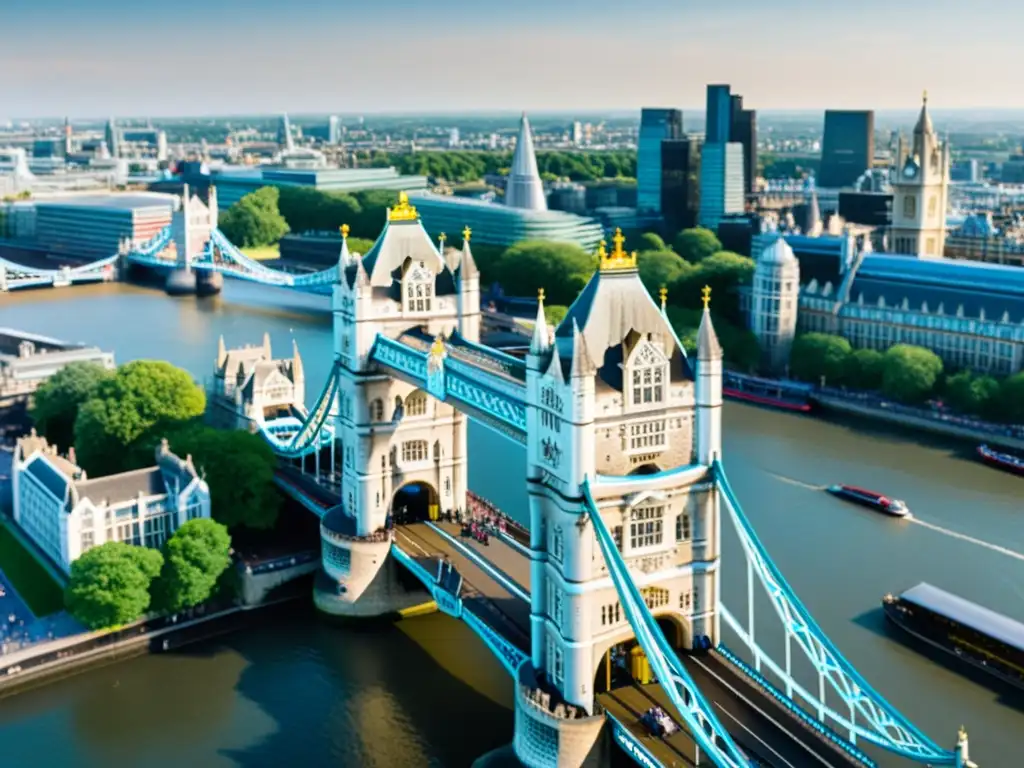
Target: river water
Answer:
[[426, 692]]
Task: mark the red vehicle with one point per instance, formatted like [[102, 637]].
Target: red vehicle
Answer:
[[1004, 461]]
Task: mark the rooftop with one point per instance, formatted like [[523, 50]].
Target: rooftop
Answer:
[[972, 615], [112, 202]]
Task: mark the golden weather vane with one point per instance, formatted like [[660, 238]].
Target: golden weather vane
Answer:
[[466, 233], [705, 294], [344, 230]]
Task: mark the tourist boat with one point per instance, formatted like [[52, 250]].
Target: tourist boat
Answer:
[[1004, 461], [976, 635], [785, 395], [892, 507]]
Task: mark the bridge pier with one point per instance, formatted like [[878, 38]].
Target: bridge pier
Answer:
[[180, 282]]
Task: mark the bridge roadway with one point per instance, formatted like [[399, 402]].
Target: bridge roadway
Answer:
[[760, 725]]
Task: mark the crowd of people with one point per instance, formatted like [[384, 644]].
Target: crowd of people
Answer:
[[658, 722]]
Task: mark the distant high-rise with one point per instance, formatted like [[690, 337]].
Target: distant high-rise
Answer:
[[656, 125], [727, 121], [453, 138], [333, 130], [67, 137], [848, 147], [284, 134], [577, 133], [110, 136], [718, 129], [524, 188], [721, 182], [680, 182]]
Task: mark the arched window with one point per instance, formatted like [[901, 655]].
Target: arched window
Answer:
[[417, 288], [377, 410], [416, 404], [414, 450], [648, 374]]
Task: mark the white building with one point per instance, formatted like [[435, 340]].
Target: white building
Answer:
[[66, 513], [721, 183], [775, 298], [524, 188]]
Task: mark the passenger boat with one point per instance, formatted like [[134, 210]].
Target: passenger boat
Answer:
[[785, 395], [1004, 461], [892, 507], [976, 635]]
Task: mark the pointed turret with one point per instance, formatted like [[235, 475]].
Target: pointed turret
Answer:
[[708, 390], [582, 365], [924, 120], [266, 346], [812, 218], [344, 257], [298, 373], [468, 291], [467, 264], [222, 352], [708, 347], [541, 340], [524, 188]]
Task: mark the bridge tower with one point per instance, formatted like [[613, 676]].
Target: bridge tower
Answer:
[[403, 451], [612, 401], [191, 225]]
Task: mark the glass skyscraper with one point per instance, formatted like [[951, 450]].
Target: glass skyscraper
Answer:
[[719, 115], [721, 182], [848, 147], [656, 125]]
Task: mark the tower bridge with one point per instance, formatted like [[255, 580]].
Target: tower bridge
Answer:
[[628, 504]]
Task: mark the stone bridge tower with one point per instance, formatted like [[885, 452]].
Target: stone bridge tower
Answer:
[[191, 225], [614, 401], [402, 451]]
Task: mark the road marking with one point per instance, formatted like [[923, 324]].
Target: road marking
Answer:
[[409, 539], [760, 711], [763, 743]]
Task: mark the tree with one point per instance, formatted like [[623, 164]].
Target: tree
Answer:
[[55, 404], [306, 209], [561, 269], [909, 373], [695, 245], [817, 355], [968, 393], [661, 269], [1011, 399], [194, 558], [109, 584], [555, 314], [254, 220], [143, 396], [723, 272], [739, 344], [864, 369], [651, 241], [224, 457]]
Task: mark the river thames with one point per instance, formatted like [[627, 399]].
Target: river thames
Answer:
[[425, 691]]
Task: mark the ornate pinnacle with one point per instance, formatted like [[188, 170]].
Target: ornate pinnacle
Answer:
[[663, 295], [618, 258], [540, 295], [344, 228], [705, 294], [442, 237], [466, 233]]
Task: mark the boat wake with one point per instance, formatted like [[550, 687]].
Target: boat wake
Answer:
[[969, 539], [798, 483]]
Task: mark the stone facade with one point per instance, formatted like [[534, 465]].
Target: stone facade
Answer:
[[250, 386]]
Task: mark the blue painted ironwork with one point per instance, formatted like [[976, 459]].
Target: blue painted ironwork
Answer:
[[307, 436], [880, 722], [714, 740], [495, 573], [630, 744], [401, 358], [822, 730]]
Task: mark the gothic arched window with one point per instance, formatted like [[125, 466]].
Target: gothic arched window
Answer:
[[647, 374], [417, 288], [416, 404]]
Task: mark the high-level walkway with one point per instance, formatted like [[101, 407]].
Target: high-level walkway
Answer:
[[496, 586]]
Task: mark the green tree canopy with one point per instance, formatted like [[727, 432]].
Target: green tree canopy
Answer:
[[254, 220], [561, 269], [55, 404], [1011, 399], [739, 344], [969, 393], [142, 396], [109, 584], [661, 269], [864, 369], [723, 272], [651, 241], [695, 245], [194, 558], [820, 354], [909, 373], [306, 209], [554, 314]]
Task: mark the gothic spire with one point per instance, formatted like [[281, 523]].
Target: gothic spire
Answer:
[[812, 221], [344, 257], [266, 346], [541, 337], [708, 347], [524, 188], [467, 264], [582, 365], [297, 370], [924, 120]]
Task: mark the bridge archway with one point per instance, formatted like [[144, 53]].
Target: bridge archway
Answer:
[[415, 502], [650, 468], [612, 655]]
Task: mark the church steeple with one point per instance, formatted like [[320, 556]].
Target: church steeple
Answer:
[[524, 188], [924, 120]]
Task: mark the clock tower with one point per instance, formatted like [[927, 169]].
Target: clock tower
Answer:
[[920, 192]]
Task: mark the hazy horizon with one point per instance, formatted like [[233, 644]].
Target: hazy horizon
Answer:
[[232, 58]]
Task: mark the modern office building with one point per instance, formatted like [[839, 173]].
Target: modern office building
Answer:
[[234, 183], [656, 125], [848, 147], [502, 225], [285, 139], [680, 182], [718, 121], [873, 209], [66, 514], [743, 130], [28, 359], [524, 189], [920, 189], [721, 183], [93, 226]]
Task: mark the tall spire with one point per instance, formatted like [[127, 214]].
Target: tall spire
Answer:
[[708, 347], [541, 337], [924, 120], [266, 346], [812, 221], [297, 370], [467, 264], [524, 188], [284, 134], [344, 257]]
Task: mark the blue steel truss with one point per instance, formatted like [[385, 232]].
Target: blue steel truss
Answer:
[[291, 438], [450, 602], [714, 740], [880, 722]]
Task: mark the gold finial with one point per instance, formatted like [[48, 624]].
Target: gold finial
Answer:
[[437, 348], [618, 258], [442, 237], [663, 295], [601, 250], [466, 233], [403, 211], [344, 230], [705, 294], [540, 295]]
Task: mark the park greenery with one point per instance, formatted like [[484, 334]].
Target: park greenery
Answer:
[[117, 583], [255, 220], [116, 419], [906, 374]]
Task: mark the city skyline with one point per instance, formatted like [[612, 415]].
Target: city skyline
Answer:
[[572, 55]]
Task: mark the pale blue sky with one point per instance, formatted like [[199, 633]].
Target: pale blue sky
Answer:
[[187, 57]]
